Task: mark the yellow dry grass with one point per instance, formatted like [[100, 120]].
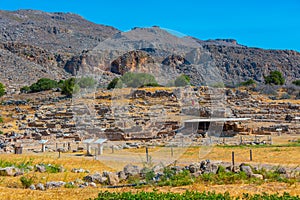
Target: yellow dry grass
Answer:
[[10, 187]]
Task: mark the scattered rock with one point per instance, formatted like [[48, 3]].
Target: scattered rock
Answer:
[[92, 184], [96, 178], [131, 170], [19, 173], [40, 186], [32, 187], [122, 175], [80, 170], [8, 171], [112, 179], [281, 170], [193, 168], [54, 184], [247, 169], [258, 176], [40, 168]]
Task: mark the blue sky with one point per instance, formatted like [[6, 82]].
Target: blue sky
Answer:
[[258, 23]]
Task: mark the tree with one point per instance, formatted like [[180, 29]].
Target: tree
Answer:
[[113, 84], [2, 90], [43, 84], [69, 87], [275, 78], [182, 80]]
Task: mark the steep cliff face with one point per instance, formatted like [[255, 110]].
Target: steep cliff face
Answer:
[[132, 61]]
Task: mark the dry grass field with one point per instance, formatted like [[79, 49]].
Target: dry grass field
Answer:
[[11, 188]]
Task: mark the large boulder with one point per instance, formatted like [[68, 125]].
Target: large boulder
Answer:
[[195, 167], [96, 178], [211, 168], [40, 186], [247, 169], [122, 175], [113, 179], [258, 176]]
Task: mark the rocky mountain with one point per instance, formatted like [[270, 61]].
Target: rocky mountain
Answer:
[[36, 44]]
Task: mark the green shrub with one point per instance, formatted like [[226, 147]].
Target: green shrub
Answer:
[[1, 120], [25, 89], [136, 80], [86, 82], [149, 176], [43, 84], [275, 78], [182, 80], [133, 80], [50, 168], [27, 181], [248, 82], [113, 84], [70, 87], [189, 195], [2, 90]]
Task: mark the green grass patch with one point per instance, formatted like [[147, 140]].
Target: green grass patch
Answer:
[[191, 195]]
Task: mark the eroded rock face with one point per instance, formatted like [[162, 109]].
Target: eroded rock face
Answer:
[[132, 61], [175, 60]]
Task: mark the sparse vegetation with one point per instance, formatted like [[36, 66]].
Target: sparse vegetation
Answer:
[[27, 181], [24, 164], [86, 82], [2, 89], [249, 82], [218, 85], [189, 195]]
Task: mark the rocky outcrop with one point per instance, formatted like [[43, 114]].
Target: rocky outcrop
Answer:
[[132, 61]]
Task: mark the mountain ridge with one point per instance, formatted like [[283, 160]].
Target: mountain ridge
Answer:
[[36, 44]]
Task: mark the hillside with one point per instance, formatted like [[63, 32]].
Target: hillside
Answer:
[[36, 44]]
